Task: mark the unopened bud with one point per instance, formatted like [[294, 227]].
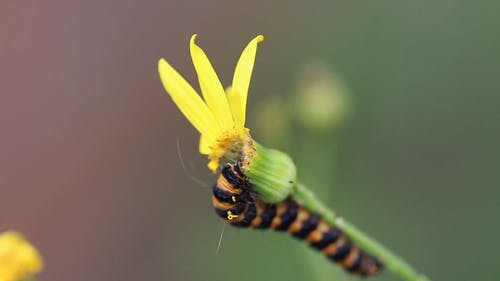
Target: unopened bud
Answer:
[[272, 174], [321, 100]]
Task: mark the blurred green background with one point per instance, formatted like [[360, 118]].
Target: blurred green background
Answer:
[[89, 166]]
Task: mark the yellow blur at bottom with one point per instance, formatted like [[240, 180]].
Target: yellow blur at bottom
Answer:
[[18, 258]]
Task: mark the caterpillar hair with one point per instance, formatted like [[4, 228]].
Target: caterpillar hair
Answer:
[[236, 203]]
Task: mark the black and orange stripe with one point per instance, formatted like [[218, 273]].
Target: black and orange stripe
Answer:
[[234, 201]]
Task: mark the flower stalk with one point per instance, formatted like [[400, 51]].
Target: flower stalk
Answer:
[[272, 174], [392, 261]]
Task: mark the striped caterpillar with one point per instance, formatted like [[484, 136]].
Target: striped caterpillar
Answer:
[[235, 202]]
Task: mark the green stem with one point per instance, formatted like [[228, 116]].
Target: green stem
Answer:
[[393, 262]]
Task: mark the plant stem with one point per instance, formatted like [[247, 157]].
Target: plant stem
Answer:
[[393, 262]]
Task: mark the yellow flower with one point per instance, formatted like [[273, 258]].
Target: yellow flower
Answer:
[[220, 116], [18, 258]]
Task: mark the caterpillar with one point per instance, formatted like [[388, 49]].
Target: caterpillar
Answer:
[[236, 203]]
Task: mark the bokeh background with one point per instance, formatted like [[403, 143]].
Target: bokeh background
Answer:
[[89, 141]]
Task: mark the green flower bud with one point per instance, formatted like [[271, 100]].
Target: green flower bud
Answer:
[[272, 173], [321, 98]]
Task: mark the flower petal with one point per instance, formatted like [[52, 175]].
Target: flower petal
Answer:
[[19, 259], [236, 103], [243, 73], [205, 143], [213, 165], [188, 101], [211, 88]]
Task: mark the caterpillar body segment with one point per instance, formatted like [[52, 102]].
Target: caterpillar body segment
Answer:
[[234, 201]]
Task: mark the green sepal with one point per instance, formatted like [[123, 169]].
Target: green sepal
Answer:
[[272, 174]]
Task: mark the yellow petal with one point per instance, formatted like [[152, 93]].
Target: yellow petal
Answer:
[[211, 88], [205, 143], [236, 104], [243, 73], [187, 100], [18, 258], [213, 165]]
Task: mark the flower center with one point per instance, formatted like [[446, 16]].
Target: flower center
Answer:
[[234, 144]]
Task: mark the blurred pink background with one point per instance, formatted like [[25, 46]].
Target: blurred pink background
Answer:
[[89, 165]]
